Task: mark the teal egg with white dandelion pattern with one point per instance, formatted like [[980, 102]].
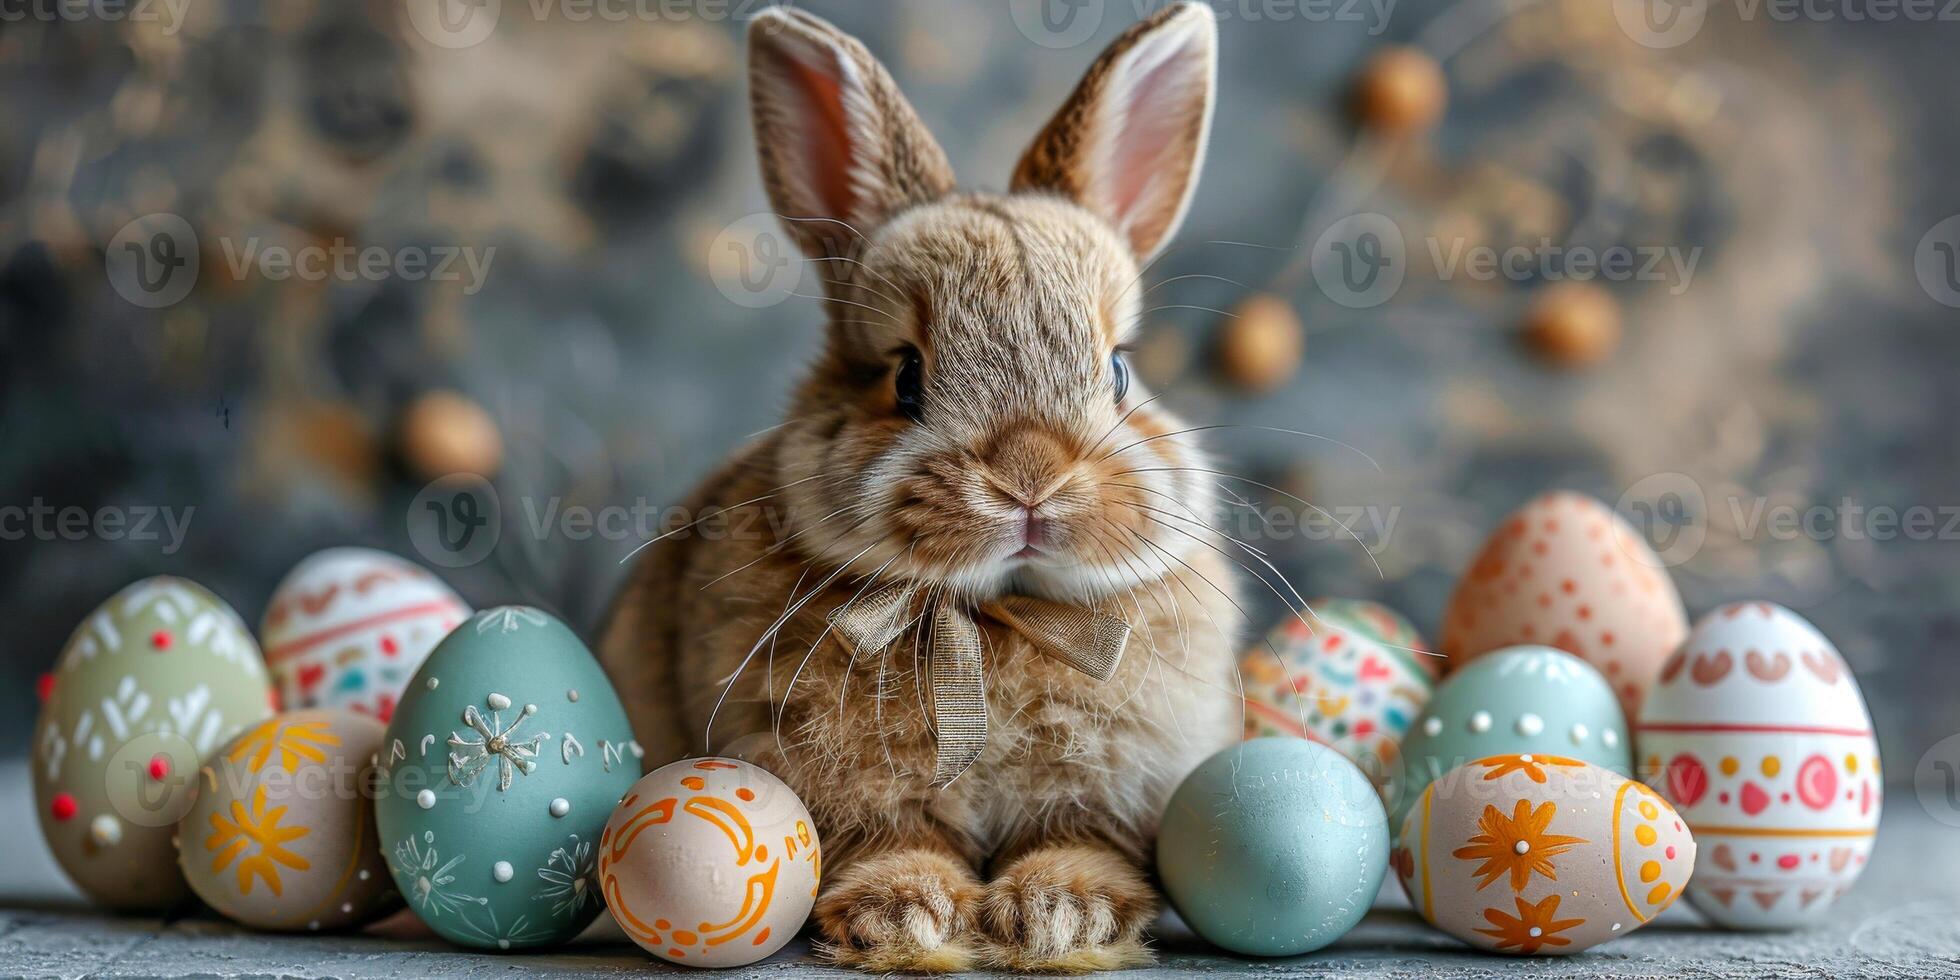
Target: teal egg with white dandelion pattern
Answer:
[[507, 753]]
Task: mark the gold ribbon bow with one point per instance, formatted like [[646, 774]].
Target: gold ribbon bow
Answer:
[[1088, 640]]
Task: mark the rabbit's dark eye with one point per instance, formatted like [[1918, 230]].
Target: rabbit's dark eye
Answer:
[[1120, 371], [908, 386]]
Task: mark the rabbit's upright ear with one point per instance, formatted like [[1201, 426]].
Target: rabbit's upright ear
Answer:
[[841, 149], [1128, 144]]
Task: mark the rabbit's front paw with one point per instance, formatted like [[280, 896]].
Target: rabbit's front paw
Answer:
[[901, 912], [1069, 909]]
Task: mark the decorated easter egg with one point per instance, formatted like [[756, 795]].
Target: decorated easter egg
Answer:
[[347, 628], [1539, 854], [157, 677], [282, 833], [710, 862], [1273, 847], [1761, 738], [1350, 673], [505, 757], [1524, 699], [1568, 572]]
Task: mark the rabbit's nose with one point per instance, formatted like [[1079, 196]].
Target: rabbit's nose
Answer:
[[1026, 464]]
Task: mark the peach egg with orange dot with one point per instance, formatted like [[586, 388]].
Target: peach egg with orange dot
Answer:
[[710, 862], [1567, 571]]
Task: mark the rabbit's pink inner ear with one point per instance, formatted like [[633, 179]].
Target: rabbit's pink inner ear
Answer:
[[1156, 134], [841, 149], [825, 142], [1128, 144], [803, 129]]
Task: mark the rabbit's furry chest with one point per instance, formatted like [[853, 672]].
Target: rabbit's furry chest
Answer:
[[690, 644]]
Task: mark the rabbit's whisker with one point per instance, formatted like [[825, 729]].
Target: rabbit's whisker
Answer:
[[1370, 552], [1193, 275], [1119, 423], [787, 541], [845, 258], [848, 302], [717, 511], [795, 607], [844, 687], [1216, 626], [1254, 552], [835, 221], [1258, 428], [1237, 675], [1166, 253]]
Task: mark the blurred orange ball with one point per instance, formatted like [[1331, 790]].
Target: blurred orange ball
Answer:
[[1400, 90], [1573, 324], [1260, 346], [444, 432]]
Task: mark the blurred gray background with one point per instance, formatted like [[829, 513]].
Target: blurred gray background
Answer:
[[1807, 366]]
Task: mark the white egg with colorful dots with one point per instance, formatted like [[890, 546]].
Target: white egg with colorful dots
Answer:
[[1347, 673], [1761, 738], [348, 627]]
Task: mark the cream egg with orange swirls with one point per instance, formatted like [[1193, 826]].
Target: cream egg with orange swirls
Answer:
[[710, 862]]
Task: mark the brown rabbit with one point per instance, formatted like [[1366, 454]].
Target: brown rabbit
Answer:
[[971, 429]]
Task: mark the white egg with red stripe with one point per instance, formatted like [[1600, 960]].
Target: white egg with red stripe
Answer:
[[347, 628], [1759, 736]]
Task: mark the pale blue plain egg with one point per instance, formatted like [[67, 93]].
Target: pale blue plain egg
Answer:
[[1273, 847]]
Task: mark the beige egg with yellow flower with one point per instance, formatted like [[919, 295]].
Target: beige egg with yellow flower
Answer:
[[281, 835], [1541, 854]]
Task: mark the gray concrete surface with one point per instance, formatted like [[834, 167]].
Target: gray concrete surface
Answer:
[[1902, 921]]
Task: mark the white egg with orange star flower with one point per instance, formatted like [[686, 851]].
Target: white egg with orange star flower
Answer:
[[1541, 854]]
